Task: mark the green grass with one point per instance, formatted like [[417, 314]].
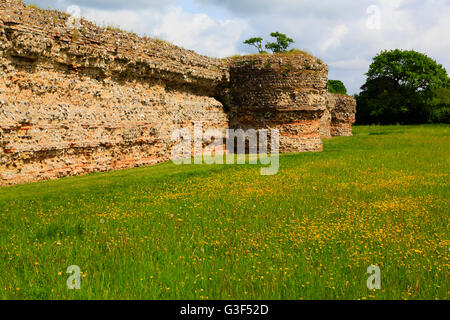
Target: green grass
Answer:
[[226, 232]]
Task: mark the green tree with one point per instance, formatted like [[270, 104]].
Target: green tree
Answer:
[[400, 87], [440, 105], [255, 42], [282, 43], [336, 86]]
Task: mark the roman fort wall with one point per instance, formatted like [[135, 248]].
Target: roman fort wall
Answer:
[[89, 99]]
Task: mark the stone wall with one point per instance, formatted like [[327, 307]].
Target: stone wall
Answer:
[[74, 101], [100, 101]]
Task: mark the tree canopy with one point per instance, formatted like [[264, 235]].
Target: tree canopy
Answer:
[[281, 44], [402, 87], [255, 42]]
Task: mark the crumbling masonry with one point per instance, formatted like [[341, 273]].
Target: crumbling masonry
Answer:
[[75, 101]]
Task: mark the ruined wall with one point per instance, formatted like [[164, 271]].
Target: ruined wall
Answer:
[[284, 92], [74, 101], [100, 101]]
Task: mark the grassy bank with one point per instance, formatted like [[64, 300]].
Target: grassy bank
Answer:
[[226, 232]]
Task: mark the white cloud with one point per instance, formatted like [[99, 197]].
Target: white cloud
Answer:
[[200, 32], [208, 36], [336, 35], [128, 20], [355, 63]]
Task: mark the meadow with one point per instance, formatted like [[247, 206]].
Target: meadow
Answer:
[[226, 232]]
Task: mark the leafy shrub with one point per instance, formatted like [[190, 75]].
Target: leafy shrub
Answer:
[[282, 43], [441, 115], [336, 86]]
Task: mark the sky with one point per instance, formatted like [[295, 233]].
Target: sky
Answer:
[[346, 34]]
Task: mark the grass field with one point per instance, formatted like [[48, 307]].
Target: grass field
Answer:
[[226, 232]]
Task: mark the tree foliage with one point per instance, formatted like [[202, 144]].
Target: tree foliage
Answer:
[[402, 87], [255, 42], [440, 106], [336, 86], [281, 44]]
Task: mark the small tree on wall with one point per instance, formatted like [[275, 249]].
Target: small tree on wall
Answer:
[[336, 86], [281, 44], [255, 42]]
